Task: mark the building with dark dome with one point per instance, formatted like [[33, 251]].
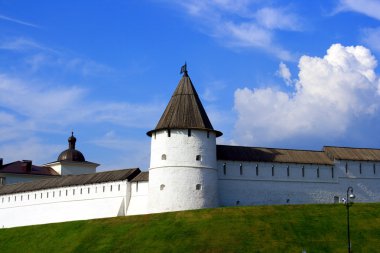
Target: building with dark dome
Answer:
[[71, 154], [71, 161]]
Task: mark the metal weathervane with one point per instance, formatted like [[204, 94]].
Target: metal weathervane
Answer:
[[184, 69]]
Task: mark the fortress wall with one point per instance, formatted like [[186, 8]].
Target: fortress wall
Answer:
[[298, 187], [64, 204], [139, 198]]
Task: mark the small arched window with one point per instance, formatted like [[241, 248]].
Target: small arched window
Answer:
[[241, 169], [163, 157], [162, 187], [224, 168], [198, 158]]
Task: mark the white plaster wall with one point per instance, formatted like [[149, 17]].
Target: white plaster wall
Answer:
[[65, 204], [181, 172], [73, 168], [264, 189], [139, 198]]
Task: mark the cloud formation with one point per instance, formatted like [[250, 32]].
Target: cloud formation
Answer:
[[29, 108], [369, 8], [17, 21], [244, 23], [329, 94]]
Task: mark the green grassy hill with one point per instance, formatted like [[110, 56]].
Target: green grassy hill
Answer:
[[288, 228]]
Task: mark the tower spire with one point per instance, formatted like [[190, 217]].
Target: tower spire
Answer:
[[185, 109]]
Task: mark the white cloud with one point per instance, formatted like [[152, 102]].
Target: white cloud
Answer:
[[17, 21], [330, 93], [243, 23], [28, 109], [371, 36], [279, 18], [29, 149], [369, 8], [284, 73]]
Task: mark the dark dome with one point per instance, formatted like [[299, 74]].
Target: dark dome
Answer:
[[71, 154]]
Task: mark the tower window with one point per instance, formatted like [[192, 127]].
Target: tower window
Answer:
[[154, 134], [198, 187], [303, 171], [272, 170], [360, 168], [257, 169], [81, 191], [374, 168], [168, 132], [332, 171], [162, 187], [189, 132], [224, 168], [163, 157], [318, 171], [137, 186], [288, 171], [208, 134], [241, 169], [346, 166], [88, 190], [198, 158]]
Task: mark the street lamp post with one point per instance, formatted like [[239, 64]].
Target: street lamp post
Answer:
[[350, 196]]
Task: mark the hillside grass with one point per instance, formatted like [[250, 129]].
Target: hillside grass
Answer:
[[287, 228]]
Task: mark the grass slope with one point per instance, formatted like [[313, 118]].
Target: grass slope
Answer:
[[288, 228]]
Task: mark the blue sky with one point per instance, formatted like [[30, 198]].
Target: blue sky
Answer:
[[286, 74]]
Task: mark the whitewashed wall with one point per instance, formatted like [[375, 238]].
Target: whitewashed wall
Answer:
[[65, 204], [173, 181], [265, 188], [139, 198], [73, 168]]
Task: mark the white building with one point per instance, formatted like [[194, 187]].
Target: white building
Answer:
[[188, 170]]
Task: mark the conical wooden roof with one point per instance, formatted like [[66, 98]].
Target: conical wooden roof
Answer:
[[185, 110]]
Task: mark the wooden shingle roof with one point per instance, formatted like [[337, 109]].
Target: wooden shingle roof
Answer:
[[354, 154], [143, 176], [185, 110], [272, 155], [70, 180]]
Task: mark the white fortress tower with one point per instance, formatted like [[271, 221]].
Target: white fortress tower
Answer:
[[183, 169]]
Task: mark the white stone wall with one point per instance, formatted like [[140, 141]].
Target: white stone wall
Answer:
[[182, 172], [65, 204], [73, 168], [240, 183], [139, 198]]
